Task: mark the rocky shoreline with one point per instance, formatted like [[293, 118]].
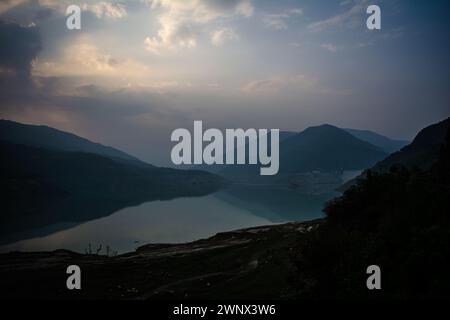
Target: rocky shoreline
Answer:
[[248, 263]]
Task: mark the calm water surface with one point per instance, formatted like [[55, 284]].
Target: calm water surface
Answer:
[[174, 221]]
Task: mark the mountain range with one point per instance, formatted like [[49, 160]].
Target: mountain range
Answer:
[[44, 170], [421, 153], [323, 148], [53, 139], [388, 145], [326, 148]]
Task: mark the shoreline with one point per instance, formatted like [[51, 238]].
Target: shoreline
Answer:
[[246, 263]]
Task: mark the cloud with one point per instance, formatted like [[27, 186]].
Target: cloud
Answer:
[[204, 10], [6, 5], [182, 22], [28, 12], [220, 36], [19, 47], [280, 21], [35, 11], [348, 18], [291, 84], [84, 58], [276, 84], [245, 8], [173, 34], [329, 47], [106, 10]]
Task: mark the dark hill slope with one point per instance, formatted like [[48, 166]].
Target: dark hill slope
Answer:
[[50, 138], [422, 153]]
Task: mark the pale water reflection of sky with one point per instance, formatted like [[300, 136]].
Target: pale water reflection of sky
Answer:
[[178, 220]]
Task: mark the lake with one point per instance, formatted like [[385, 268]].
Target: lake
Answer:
[[173, 221]]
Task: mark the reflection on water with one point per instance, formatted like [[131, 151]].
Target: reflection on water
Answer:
[[177, 220]]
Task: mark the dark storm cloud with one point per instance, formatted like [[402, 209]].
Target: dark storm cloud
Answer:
[[43, 14], [19, 47]]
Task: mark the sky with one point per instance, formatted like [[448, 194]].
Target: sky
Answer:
[[137, 70]]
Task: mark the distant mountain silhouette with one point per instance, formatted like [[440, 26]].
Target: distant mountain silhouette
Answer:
[[326, 148], [50, 138], [50, 176], [323, 148], [345, 149], [217, 168], [386, 144], [421, 153]]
